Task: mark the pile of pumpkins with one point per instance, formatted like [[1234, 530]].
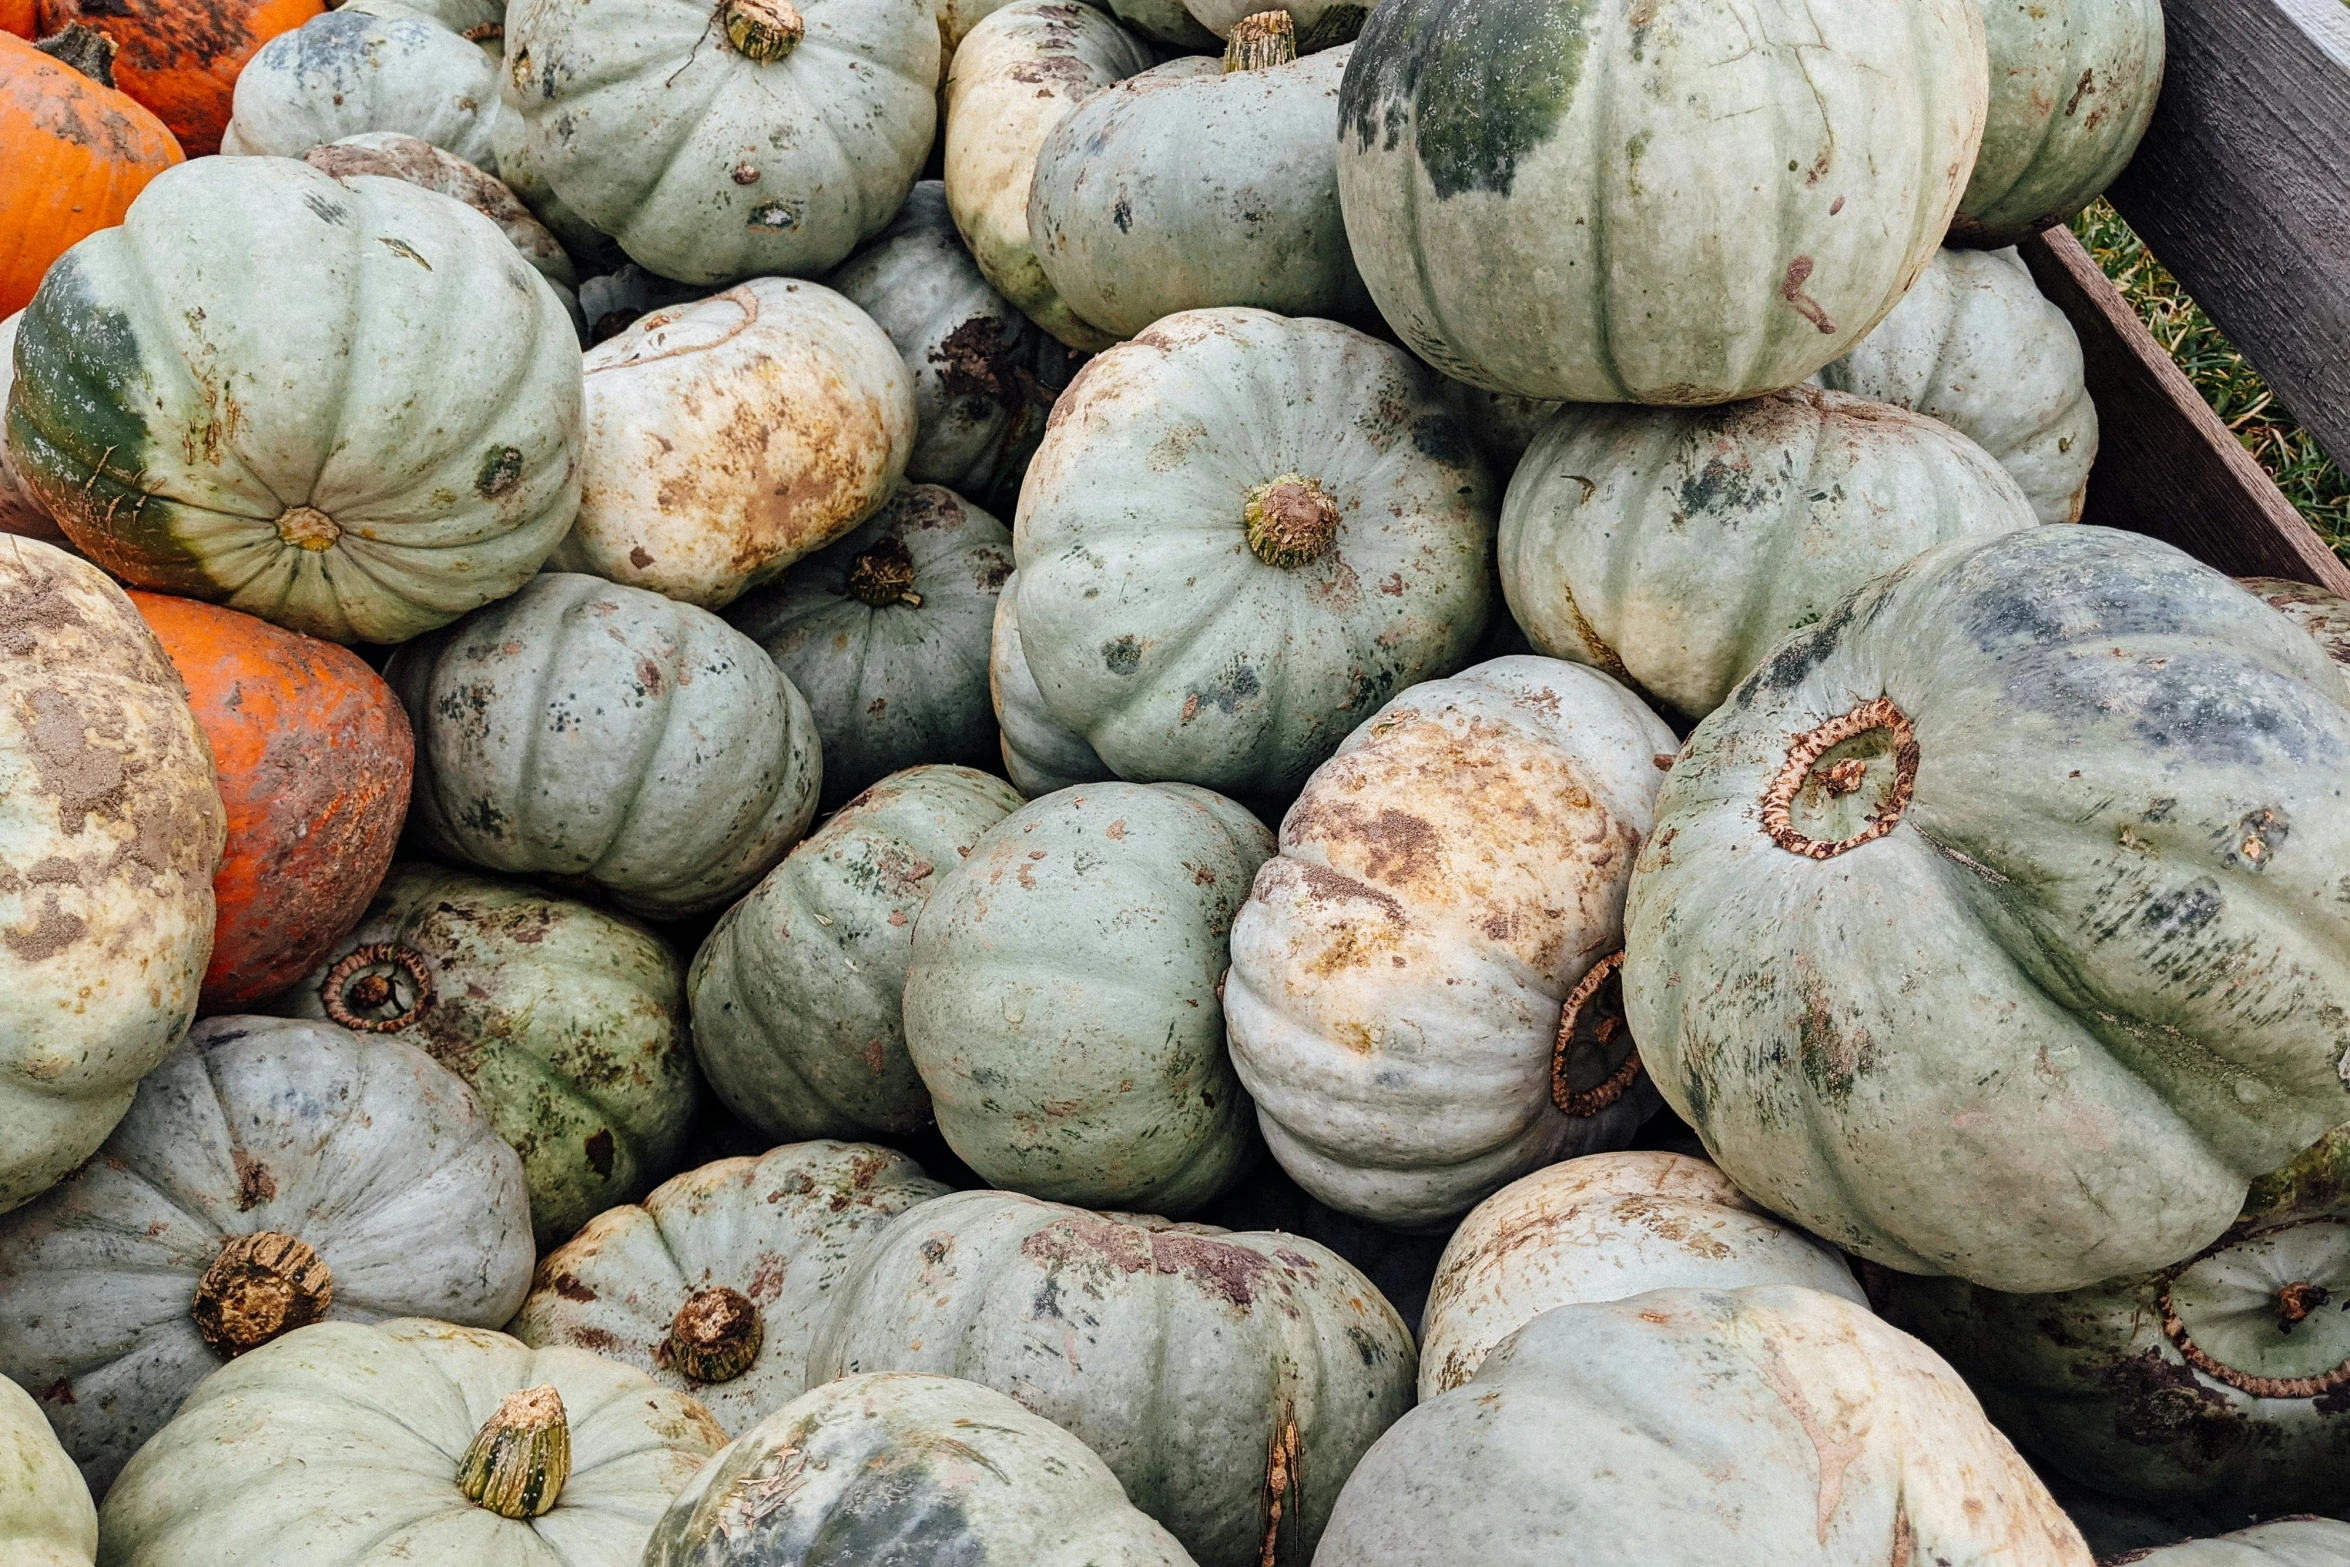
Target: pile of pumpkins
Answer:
[[599, 965]]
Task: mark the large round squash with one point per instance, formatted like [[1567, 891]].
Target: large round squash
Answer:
[[568, 1023], [1422, 999], [797, 994], [181, 57], [1241, 535], [1041, 754], [727, 438], [110, 830], [346, 407], [1773, 1424], [1062, 1005], [755, 139], [717, 1284], [581, 728], [412, 1441], [886, 633], [928, 1469], [269, 1174], [46, 1519], [2084, 797], [1974, 345], [1673, 547], [1605, 1227], [1660, 201], [77, 153], [347, 72], [2073, 84], [1229, 1380]]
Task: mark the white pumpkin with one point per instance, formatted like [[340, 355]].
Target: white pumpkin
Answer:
[[348, 71], [727, 438], [1421, 999], [46, 1518]]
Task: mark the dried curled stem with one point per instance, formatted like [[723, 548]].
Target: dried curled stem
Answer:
[[1846, 776], [1587, 1102], [339, 989], [2294, 1304]]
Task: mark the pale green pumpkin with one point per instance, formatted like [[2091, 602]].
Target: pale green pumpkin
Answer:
[[1062, 1005], [20, 514], [1632, 201], [398, 155], [2288, 1542], [1041, 754], [348, 71], [2081, 795], [797, 992], [46, 1518], [349, 407], [1673, 547]]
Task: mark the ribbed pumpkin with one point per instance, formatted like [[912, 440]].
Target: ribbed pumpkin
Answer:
[[798, 992], [1041, 754], [20, 514], [77, 153], [1422, 998], [886, 634], [717, 1284], [112, 833], [2321, 614], [347, 72], [1628, 201], [46, 1519], [2083, 796], [568, 1023], [313, 758], [1674, 547], [581, 728], [1283, 1362], [181, 59]]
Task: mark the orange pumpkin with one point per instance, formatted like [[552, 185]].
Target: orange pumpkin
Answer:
[[18, 17], [315, 757], [181, 57], [75, 150]]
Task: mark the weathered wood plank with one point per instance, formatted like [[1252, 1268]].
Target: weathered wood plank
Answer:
[[2242, 188], [2166, 464]]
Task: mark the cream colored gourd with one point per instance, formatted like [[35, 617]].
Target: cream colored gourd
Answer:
[[46, 1517], [1421, 999], [725, 439], [347, 71]]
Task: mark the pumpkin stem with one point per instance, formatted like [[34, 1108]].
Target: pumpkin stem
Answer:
[[260, 1286], [884, 575], [357, 989], [1596, 1000], [306, 527], [85, 49], [1291, 520], [715, 1335], [1260, 42], [762, 30], [521, 1457], [1842, 778], [2296, 1301], [483, 32]]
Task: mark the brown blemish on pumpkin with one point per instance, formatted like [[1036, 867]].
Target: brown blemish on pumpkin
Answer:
[[599, 1153], [1284, 1484], [1791, 289], [259, 1287], [255, 1185]]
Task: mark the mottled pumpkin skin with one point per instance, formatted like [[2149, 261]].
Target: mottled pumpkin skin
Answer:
[[2110, 895], [1445, 882], [901, 683], [110, 830], [2324, 616], [797, 993], [1673, 547], [1660, 201], [401, 156], [46, 1517], [347, 72], [374, 464], [182, 60], [346, 1440], [364, 1150], [582, 728], [782, 1231], [925, 1469], [1773, 1424], [1284, 1362], [20, 514], [1062, 1005], [567, 1022], [2288, 1542], [2095, 1384], [77, 153]]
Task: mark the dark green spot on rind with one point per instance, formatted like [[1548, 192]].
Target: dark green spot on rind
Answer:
[[501, 470], [1484, 82]]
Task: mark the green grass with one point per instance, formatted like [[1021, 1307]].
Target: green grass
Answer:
[[2311, 480]]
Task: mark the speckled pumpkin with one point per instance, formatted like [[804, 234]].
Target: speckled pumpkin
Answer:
[[1041, 754], [797, 992], [111, 831], [1242, 534], [1284, 1361], [568, 1023], [346, 1446], [2084, 796], [1773, 1424], [926, 1469], [1062, 1005], [582, 728], [1674, 547], [886, 634], [270, 1173], [346, 72], [2321, 614], [347, 407], [1422, 998], [729, 437], [1604, 1227], [1974, 345], [46, 1518], [716, 1285]]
